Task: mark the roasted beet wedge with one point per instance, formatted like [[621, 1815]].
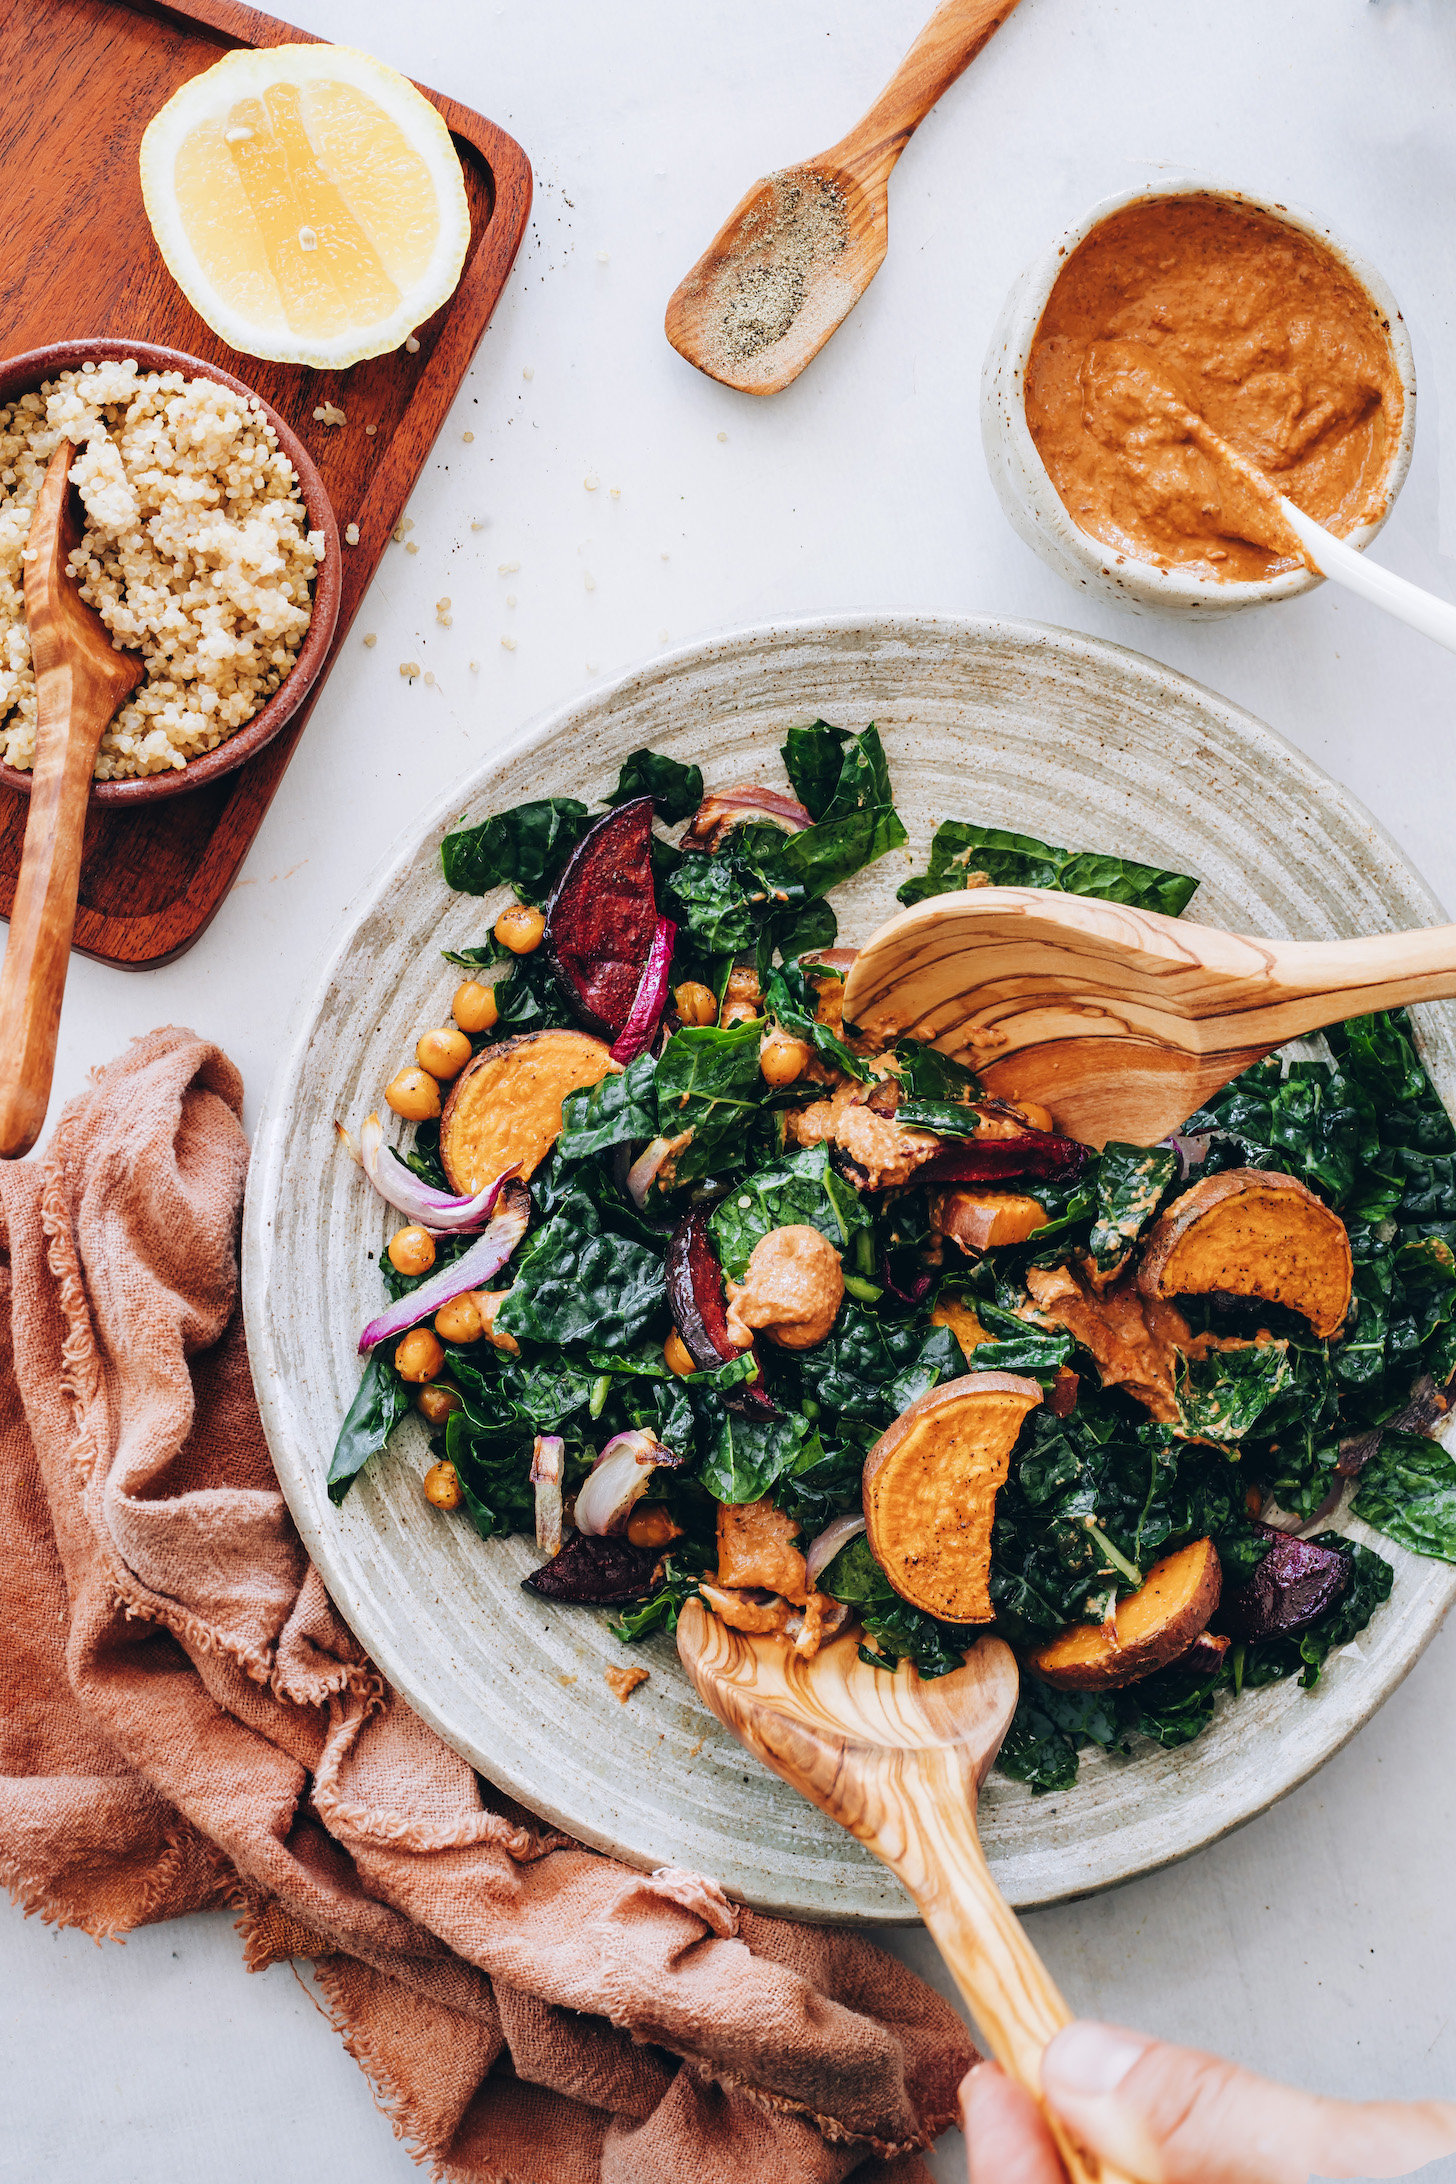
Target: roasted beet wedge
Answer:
[[698, 1302], [997, 1160], [1203, 1658], [1293, 1585], [602, 919], [595, 1572]]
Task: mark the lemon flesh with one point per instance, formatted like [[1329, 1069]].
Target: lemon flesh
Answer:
[[308, 201]]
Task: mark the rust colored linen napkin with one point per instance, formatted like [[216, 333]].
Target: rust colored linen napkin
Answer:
[[185, 1722]]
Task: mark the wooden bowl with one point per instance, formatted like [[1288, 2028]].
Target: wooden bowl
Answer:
[[24, 374], [1060, 736]]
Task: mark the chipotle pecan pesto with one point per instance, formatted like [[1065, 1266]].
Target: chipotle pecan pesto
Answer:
[[1253, 326]]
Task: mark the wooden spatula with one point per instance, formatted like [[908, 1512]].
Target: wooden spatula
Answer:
[[1121, 1021], [900, 1763], [789, 265], [80, 680]]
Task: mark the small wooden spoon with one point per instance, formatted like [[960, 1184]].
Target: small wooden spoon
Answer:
[[789, 265], [80, 680], [1121, 1021], [900, 1763]]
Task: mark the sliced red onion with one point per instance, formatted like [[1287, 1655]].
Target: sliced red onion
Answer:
[[723, 809], [486, 1256], [643, 1172], [823, 1550], [651, 996], [440, 1212], [546, 1463], [616, 1480]]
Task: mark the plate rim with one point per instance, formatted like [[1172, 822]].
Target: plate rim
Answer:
[[876, 625]]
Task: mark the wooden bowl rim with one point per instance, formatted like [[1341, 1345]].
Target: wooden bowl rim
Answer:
[[24, 374]]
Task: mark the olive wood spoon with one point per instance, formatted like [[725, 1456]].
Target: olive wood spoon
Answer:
[[80, 680], [858, 168], [1122, 377], [1121, 1021], [900, 1762]]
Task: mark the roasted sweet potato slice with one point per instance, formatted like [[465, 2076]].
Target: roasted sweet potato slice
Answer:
[[979, 1220], [506, 1104], [960, 1318], [1252, 1232], [1152, 1627], [930, 1487], [602, 919]]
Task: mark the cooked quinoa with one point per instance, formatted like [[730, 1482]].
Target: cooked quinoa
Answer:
[[196, 553]]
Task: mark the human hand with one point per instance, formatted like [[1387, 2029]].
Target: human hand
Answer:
[[1168, 2115]]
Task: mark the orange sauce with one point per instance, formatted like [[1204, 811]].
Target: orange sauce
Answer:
[[1252, 326]]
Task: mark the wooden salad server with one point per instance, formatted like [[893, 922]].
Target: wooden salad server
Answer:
[[80, 680], [900, 1762], [815, 290], [1121, 1021]]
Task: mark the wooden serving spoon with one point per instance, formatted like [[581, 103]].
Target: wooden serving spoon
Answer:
[[1121, 1021], [900, 1762], [792, 261], [80, 680]]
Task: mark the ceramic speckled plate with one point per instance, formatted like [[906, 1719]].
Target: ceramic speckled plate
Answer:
[[1069, 739]]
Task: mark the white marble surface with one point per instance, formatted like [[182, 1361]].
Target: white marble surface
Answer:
[[1318, 1943]]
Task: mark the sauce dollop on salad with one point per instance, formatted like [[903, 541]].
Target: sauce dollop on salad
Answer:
[[1259, 331]]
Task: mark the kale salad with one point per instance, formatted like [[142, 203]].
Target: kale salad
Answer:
[[715, 1297]]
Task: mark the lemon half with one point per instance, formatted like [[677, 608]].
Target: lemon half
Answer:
[[308, 202]]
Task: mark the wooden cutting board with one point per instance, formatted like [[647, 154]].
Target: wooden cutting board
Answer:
[[79, 81]]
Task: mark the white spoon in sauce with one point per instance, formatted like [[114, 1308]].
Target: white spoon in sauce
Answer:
[[1128, 402]]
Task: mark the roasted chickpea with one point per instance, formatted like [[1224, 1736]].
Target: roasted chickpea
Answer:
[[474, 1007], [459, 1320], [743, 984], [415, 1095], [650, 1526], [435, 1404], [677, 1355], [412, 1251], [442, 1486], [1038, 1116], [696, 1004], [419, 1356], [487, 1303], [443, 1053], [519, 928], [782, 1059], [738, 1012]]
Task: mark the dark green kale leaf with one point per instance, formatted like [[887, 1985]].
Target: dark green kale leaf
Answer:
[[1408, 1491], [746, 1456], [873, 1367], [1035, 1749], [620, 1110], [527, 996], [423, 1157], [814, 758], [676, 790], [525, 848], [821, 1484], [495, 1477], [944, 1118], [857, 825], [664, 1604], [900, 1631], [927, 1074], [725, 901], [1016, 1345], [378, 1406], [1132, 1182], [1223, 1397], [708, 1082], [961, 849], [791, 998], [1269, 1660], [797, 932], [576, 1282], [802, 1189]]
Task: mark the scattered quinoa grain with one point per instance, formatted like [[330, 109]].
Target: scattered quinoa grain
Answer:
[[528, 371], [616, 492], [591, 582], [476, 524], [507, 568], [330, 414], [351, 534], [722, 436], [602, 257], [409, 667], [509, 643], [475, 667], [412, 345], [372, 638], [510, 598], [467, 437], [429, 678], [371, 430], [410, 547], [591, 483]]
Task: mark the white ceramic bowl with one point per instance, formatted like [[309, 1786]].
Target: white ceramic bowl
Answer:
[[1059, 736], [1020, 477]]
